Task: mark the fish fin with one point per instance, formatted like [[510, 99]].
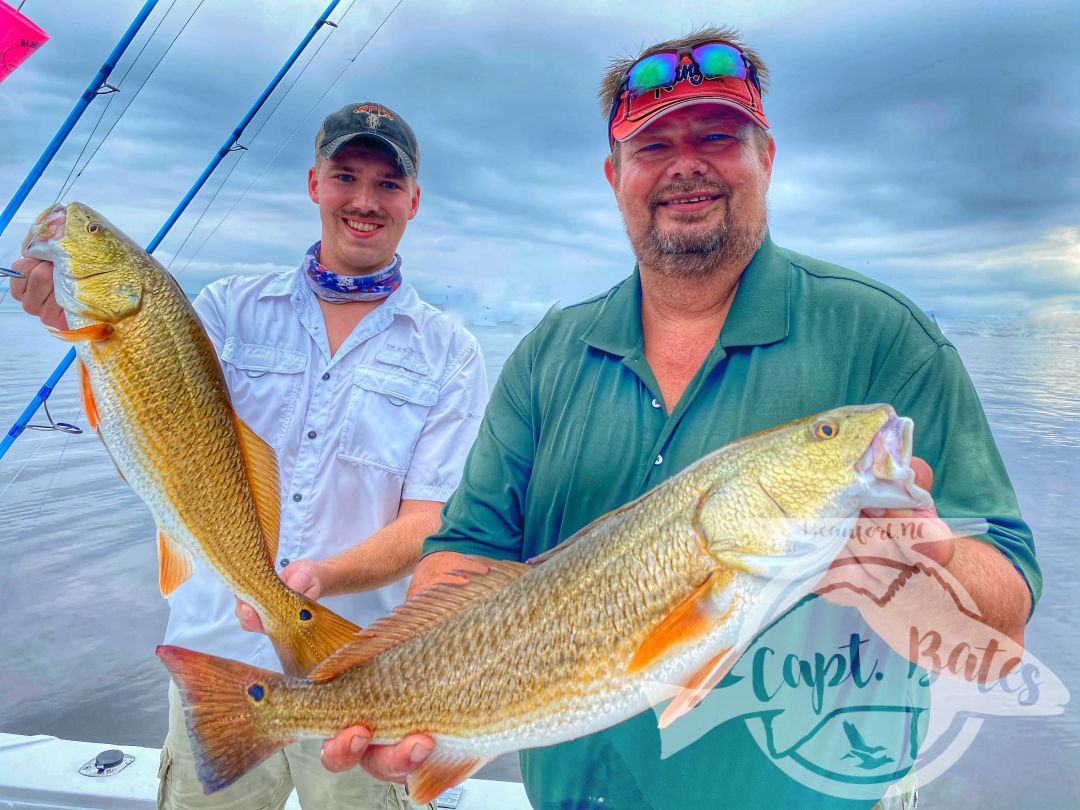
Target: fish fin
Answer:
[[89, 406], [302, 646], [697, 688], [569, 541], [692, 618], [94, 331], [229, 718], [424, 610], [262, 472], [175, 563], [440, 772], [90, 409]]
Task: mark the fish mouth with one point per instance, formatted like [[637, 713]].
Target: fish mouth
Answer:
[[885, 468], [43, 236]]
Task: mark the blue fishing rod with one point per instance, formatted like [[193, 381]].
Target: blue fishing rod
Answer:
[[93, 90], [230, 145]]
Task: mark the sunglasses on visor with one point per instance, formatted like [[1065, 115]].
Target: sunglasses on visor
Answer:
[[712, 60]]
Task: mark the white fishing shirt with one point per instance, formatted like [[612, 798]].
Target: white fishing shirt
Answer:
[[390, 416]]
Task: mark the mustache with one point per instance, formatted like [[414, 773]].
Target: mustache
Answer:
[[688, 188], [355, 213]]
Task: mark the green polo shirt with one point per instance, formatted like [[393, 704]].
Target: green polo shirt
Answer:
[[576, 427]]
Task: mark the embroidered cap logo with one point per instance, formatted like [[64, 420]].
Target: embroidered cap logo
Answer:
[[374, 113]]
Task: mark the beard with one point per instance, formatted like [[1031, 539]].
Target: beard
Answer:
[[689, 250]]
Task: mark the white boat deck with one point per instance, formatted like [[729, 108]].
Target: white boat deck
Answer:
[[43, 772]]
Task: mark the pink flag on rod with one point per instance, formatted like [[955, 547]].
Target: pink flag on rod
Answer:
[[18, 39]]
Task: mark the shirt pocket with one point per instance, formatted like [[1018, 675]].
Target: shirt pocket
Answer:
[[386, 413], [264, 382]]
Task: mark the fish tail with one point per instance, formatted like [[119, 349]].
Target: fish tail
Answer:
[[312, 634], [225, 707]]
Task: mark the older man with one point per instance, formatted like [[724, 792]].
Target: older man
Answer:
[[370, 398], [719, 333]]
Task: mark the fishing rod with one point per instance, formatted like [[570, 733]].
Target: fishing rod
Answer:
[[230, 145], [97, 86]]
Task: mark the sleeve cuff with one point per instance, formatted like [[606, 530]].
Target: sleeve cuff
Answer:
[[424, 492], [433, 545]]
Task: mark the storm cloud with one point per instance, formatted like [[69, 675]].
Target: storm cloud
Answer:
[[931, 145]]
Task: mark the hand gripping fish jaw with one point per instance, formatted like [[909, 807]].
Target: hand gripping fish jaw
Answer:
[[93, 274], [791, 509]]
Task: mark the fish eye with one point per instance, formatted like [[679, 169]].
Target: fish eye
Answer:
[[93, 228], [826, 429]]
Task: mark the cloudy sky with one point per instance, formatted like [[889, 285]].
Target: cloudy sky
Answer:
[[934, 144]]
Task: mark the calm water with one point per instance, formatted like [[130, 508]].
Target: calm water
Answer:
[[81, 614]]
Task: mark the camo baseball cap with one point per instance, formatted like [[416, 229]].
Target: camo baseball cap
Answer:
[[369, 120]]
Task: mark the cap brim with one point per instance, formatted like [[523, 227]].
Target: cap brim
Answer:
[[329, 149], [624, 130]]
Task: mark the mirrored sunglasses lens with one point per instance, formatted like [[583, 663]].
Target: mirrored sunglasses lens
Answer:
[[651, 72], [716, 59]]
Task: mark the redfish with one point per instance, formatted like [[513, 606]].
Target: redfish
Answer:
[[669, 589], [154, 391]]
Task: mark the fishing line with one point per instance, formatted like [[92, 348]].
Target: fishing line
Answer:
[[72, 414], [67, 427], [206, 208], [56, 467], [292, 134], [108, 103], [105, 108], [28, 461], [244, 150], [137, 91]]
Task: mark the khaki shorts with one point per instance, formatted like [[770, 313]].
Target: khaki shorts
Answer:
[[268, 785]]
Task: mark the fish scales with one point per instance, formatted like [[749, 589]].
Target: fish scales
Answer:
[[150, 378], [161, 395], [468, 678]]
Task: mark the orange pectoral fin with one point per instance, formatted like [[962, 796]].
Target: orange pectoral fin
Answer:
[[691, 619], [89, 406], [698, 686], [175, 564], [439, 773], [95, 331]]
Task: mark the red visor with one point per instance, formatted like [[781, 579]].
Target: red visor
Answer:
[[634, 112]]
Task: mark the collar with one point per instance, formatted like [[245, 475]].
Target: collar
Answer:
[[759, 315], [761, 311]]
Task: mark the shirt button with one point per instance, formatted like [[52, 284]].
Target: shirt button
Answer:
[[326, 376], [284, 561], [655, 402], [298, 497], [311, 434], [659, 460]]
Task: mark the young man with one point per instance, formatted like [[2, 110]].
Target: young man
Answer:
[[717, 334], [371, 399]]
